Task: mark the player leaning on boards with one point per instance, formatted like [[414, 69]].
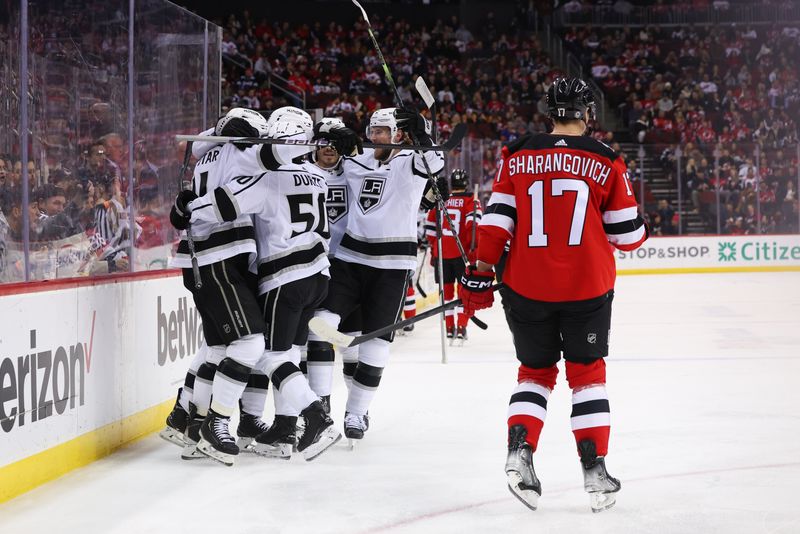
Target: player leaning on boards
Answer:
[[560, 198], [370, 267]]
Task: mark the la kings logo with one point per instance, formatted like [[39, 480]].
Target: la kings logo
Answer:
[[336, 203], [371, 192]]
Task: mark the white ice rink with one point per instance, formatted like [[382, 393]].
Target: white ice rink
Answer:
[[704, 382]]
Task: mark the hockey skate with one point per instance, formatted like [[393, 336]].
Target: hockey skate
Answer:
[[319, 434], [461, 335], [192, 436], [522, 480], [216, 441], [279, 439], [451, 334], [596, 480], [408, 328], [177, 420], [354, 427], [249, 427], [326, 403]]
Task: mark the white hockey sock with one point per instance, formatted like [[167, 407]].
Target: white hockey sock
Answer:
[[254, 396], [372, 358], [287, 378], [187, 393], [349, 361]]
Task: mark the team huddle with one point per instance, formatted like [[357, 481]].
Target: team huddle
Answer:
[[287, 231], [282, 232]]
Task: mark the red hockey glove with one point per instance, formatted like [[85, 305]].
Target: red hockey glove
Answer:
[[475, 289]]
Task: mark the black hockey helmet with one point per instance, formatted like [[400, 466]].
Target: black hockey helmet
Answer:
[[569, 98], [459, 179]]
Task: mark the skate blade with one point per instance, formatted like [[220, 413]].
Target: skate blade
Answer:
[[326, 440], [190, 452], [601, 501], [206, 448], [283, 451], [527, 497], [173, 436], [246, 444]]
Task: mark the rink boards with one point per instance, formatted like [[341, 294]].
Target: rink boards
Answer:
[[87, 366]]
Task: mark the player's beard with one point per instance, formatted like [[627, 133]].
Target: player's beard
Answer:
[[382, 154]]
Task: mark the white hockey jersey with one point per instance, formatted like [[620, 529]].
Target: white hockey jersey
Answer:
[[337, 205], [219, 239], [384, 201], [291, 224]]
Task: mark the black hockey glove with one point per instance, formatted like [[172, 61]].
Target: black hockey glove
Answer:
[[414, 124], [428, 201], [235, 127], [344, 140], [180, 215]]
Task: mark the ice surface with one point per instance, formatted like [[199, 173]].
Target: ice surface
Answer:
[[704, 382]]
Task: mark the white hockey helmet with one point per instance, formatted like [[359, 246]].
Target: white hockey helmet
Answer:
[[253, 118], [383, 117], [330, 122], [290, 120]]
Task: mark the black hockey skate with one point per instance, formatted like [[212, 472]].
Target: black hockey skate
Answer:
[[249, 427], [177, 420], [319, 434], [596, 480], [522, 480], [279, 439], [355, 426], [408, 328], [451, 333], [192, 436], [216, 441]]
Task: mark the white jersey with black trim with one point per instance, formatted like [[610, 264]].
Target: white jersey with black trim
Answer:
[[291, 225], [337, 205], [216, 240], [384, 201]]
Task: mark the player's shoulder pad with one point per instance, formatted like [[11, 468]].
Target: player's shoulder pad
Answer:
[[543, 141]]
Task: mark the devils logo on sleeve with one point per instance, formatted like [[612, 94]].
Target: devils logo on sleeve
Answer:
[[371, 192]]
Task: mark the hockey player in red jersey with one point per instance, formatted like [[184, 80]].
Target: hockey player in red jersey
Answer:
[[562, 199], [464, 212]]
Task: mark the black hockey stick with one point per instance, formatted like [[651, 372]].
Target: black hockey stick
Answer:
[[459, 132], [198, 282], [480, 324], [327, 332], [419, 273]]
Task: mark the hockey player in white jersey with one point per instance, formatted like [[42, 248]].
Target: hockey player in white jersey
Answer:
[[232, 317], [292, 231], [370, 267]]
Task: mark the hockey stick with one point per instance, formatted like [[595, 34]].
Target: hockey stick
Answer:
[[324, 330], [459, 132], [419, 273], [480, 324], [198, 282]]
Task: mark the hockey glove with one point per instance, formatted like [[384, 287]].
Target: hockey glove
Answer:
[[475, 289], [415, 125], [344, 140], [236, 127], [180, 215], [428, 201]]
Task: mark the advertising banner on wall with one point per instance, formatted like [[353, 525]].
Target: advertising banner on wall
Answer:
[[77, 359], [712, 253]]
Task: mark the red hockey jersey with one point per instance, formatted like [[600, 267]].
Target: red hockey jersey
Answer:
[[560, 200], [464, 212]]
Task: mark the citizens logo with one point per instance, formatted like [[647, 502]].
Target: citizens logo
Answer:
[[727, 251], [46, 382]]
